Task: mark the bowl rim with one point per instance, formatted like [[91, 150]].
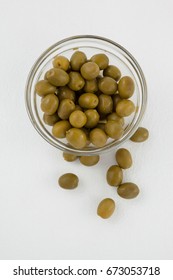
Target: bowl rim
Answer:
[[115, 143]]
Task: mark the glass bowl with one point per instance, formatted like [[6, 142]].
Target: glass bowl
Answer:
[[91, 45]]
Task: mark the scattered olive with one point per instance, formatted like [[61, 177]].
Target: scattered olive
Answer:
[[89, 160], [69, 157], [68, 181], [140, 135], [106, 208], [114, 175], [123, 158], [128, 190]]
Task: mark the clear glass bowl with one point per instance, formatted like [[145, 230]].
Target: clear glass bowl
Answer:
[[91, 45]]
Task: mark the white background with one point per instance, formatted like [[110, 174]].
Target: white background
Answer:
[[38, 219]]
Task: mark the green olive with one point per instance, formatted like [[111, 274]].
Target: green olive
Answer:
[[92, 118], [66, 93], [101, 60], [114, 117], [59, 129], [43, 88], [140, 135], [76, 137], [113, 72], [114, 130], [89, 160], [114, 175], [123, 158], [91, 86], [61, 62], [68, 181], [76, 81], [88, 100], [125, 108], [66, 107], [77, 60], [128, 190], [57, 77], [105, 105], [49, 104], [69, 157], [106, 208], [126, 87], [107, 85], [89, 70], [51, 119], [78, 119], [98, 137]]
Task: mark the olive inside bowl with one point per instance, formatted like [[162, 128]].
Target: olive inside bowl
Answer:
[[90, 45]]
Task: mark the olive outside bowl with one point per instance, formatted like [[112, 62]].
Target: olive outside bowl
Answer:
[[90, 45]]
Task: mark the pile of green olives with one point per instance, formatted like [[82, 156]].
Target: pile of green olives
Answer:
[[85, 100]]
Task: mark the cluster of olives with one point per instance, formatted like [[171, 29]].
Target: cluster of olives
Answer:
[[85, 100]]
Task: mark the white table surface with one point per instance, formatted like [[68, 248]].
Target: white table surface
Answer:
[[39, 220]]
